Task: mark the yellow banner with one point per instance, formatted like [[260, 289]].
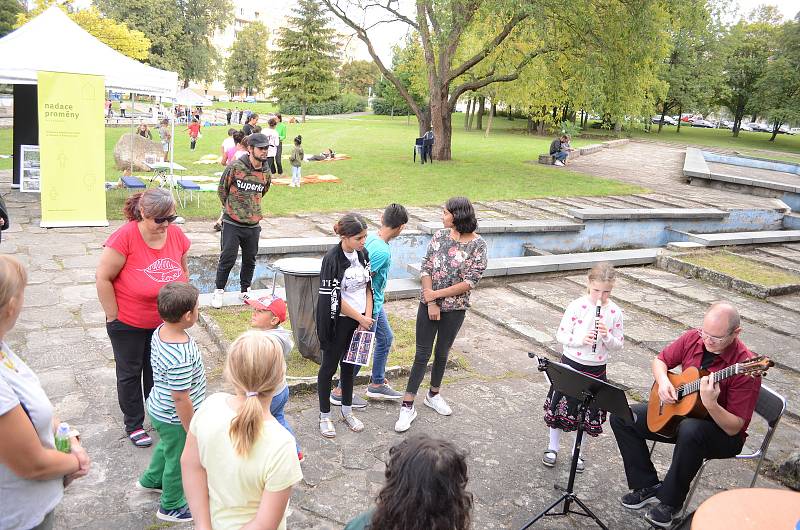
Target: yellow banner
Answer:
[[72, 149]]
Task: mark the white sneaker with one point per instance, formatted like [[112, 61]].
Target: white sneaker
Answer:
[[216, 298], [438, 404], [558, 163], [407, 415], [245, 295]]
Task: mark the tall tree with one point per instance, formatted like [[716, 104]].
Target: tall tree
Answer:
[[304, 65], [747, 49], [778, 91], [358, 76], [442, 26], [9, 9], [180, 32], [115, 34], [245, 67]]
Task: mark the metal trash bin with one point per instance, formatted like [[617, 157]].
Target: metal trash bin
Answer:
[[301, 281]]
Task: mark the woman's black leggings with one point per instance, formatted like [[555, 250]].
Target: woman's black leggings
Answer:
[[446, 328], [134, 374], [331, 358]]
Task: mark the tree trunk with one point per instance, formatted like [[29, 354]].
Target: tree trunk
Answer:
[[481, 109], [775, 130], [466, 114], [680, 115], [510, 113], [661, 123], [531, 125], [474, 110], [305, 107], [441, 118], [492, 110]]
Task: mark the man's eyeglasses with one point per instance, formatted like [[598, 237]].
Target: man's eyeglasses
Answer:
[[161, 220], [711, 338]]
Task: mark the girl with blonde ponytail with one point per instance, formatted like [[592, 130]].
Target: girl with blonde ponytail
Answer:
[[239, 464]]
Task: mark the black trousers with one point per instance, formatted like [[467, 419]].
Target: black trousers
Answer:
[[444, 331], [278, 156], [232, 238], [271, 165], [134, 374], [696, 440], [331, 358]]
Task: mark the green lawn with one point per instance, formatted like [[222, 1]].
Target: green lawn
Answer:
[[742, 268], [234, 321], [751, 143], [381, 170]]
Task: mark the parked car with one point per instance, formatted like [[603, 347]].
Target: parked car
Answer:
[[794, 130], [726, 123], [224, 98], [250, 99], [703, 123], [668, 120], [745, 127]]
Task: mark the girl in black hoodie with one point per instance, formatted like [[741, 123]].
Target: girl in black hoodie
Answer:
[[344, 305]]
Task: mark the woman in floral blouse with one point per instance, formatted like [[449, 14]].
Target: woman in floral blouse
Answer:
[[453, 264]]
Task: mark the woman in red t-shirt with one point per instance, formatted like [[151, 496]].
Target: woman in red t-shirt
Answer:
[[138, 259]]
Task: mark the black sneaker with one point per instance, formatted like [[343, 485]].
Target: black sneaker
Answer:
[[641, 497], [661, 515]]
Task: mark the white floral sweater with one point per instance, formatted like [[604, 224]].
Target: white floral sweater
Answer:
[[578, 320]]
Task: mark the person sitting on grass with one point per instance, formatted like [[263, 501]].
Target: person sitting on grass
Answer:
[[426, 481], [268, 315], [179, 387]]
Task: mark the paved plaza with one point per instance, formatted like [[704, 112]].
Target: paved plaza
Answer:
[[496, 394]]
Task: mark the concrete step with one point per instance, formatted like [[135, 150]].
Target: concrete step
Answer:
[[512, 225], [784, 252], [765, 313], [297, 245], [586, 214], [768, 259], [402, 288], [689, 314], [661, 200], [517, 210], [556, 210], [562, 262], [741, 238], [538, 322]]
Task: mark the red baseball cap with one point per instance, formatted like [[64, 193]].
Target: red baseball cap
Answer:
[[275, 305]]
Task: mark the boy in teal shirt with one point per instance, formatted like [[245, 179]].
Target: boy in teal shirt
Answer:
[[393, 221]]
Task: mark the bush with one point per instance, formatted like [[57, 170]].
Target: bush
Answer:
[[385, 108], [342, 105]]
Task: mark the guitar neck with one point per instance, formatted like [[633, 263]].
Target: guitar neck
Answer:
[[716, 377]]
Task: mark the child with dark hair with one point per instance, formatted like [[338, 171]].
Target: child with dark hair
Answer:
[[296, 160], [344, 305], [425, 489], [393, 221], [452, 267], [179, 387]]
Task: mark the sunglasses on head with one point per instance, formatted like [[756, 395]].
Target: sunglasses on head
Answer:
[[168, 219]]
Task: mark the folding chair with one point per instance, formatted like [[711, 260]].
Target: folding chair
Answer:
[[132, 183], [427, 150], [188, 187], [418, 148], [770, 406]]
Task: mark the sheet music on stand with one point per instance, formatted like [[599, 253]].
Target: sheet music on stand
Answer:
[[361, 346]]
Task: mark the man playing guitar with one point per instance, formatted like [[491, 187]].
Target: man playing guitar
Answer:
[[730, 404]]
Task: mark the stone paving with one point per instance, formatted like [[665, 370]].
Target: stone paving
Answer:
[[496, 395], [755, 173]]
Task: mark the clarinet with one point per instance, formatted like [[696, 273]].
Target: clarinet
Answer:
[[596, 325]]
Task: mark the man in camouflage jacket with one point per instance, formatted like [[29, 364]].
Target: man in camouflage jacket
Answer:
[[242, 185]]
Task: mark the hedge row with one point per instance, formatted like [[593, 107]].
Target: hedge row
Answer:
[[342, 105]]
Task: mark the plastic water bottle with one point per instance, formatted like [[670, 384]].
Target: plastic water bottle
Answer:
[[62, 438]]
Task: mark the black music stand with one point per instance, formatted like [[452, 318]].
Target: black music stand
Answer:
[[591, 392]]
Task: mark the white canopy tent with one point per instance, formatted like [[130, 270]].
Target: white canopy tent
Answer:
[[191, 98], [52, 42]]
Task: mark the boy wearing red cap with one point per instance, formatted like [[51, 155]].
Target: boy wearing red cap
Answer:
[[268, 315]]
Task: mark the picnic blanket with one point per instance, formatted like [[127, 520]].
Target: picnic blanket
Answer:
[[338, 156], [307, 179], [209, 159]]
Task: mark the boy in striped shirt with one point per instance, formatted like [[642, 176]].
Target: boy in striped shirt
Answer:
[[179, 387]]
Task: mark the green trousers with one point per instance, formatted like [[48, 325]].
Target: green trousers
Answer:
[[165, 465]]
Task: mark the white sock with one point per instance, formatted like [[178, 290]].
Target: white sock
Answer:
[[555, 437], [324, 415], [346, 410]]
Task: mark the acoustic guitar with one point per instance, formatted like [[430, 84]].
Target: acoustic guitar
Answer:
[[663, 418]]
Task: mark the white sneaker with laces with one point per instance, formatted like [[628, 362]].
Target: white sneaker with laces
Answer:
[[407, 416], [438, 404], [216, 298], [558, 163], [245, 295]]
